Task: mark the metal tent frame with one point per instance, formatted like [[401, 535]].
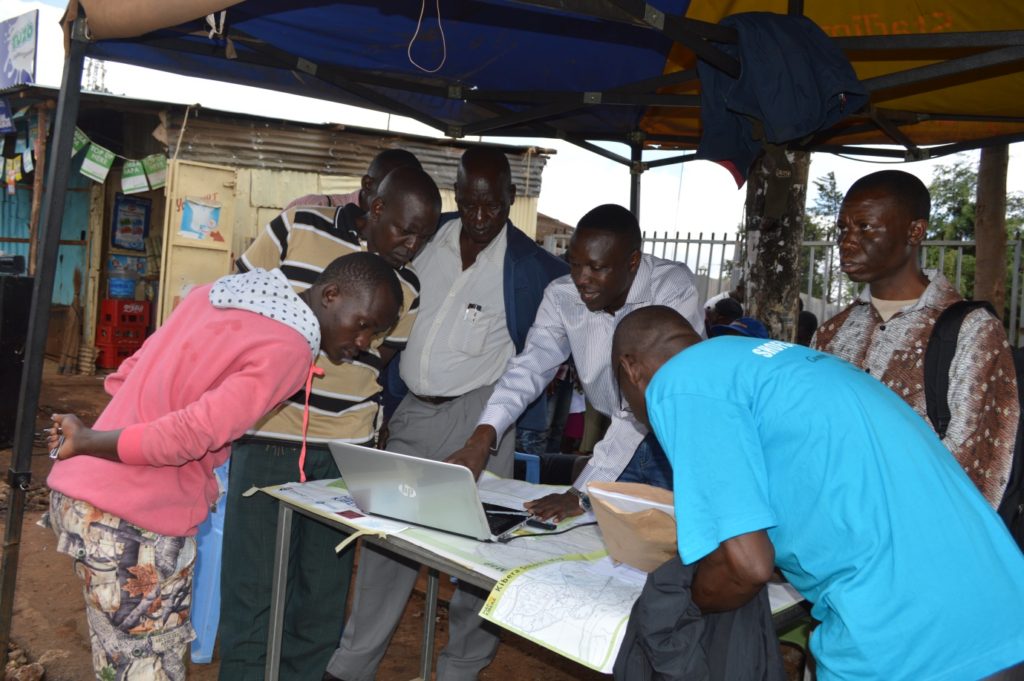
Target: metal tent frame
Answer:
[[531, 112]]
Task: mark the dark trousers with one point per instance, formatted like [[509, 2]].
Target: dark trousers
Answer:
[[649, 465], [318, 578], [1014, 673]]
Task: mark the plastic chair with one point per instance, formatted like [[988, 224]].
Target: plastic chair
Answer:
[[206, 578], [531, 462]]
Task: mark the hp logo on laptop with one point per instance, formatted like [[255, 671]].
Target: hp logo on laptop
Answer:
[[407, 490]]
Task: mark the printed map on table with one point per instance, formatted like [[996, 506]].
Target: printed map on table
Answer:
[[576, 605], [561, 591]]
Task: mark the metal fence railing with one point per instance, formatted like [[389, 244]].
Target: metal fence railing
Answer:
[[826, 290]]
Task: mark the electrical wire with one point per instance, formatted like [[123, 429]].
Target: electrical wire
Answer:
[[545, 534]]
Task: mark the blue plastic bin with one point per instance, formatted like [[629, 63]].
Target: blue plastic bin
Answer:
[[206, 578]]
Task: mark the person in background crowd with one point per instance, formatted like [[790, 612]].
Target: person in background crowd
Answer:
[[724, 311], [806, 325], [382, 164], [743, 326]]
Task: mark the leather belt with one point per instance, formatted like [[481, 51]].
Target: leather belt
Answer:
[[435, 400]]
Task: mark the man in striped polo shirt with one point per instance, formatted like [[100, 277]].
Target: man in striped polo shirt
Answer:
[[343, 406]]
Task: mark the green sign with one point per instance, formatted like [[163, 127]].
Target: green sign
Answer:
[[81, 139], [133, 178], [156, 170], [97, 162]]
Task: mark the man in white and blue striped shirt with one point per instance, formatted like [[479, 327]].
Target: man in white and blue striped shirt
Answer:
[[609, 278]]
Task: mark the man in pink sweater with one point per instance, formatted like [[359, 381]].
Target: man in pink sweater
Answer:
[[129, 493]]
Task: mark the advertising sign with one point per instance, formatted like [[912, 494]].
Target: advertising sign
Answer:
[[18, 38]]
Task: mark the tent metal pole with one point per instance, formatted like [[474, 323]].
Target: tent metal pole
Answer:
[[19, 475], [636, 153]]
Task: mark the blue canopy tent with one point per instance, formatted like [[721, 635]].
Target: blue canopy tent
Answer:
[[580, 70]]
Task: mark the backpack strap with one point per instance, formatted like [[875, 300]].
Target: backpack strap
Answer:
[[938, 358]]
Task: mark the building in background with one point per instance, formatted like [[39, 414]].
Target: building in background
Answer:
[[226, 176]]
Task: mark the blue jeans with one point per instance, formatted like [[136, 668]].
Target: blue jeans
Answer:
[[649, 465], [531, 441]]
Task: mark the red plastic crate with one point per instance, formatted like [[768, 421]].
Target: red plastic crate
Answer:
[[110, 356], [124, 312], [113, 334]]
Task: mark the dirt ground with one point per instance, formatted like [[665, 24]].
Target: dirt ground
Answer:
[[49, 619]]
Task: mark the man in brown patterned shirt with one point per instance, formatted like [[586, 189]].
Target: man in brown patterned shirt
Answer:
[[881, 223]]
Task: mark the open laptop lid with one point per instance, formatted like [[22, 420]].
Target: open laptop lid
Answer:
[[439, 495]]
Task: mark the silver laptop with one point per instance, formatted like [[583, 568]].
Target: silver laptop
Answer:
[[438, 495]]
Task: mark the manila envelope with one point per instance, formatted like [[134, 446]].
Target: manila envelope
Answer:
[[644, 538]]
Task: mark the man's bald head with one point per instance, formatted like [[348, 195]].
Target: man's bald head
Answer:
[[410, 183], [484, 193], [644, 340], [484, 161], [402, 216], [657, 332]]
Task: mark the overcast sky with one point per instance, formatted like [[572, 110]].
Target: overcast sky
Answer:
[[693, 197]]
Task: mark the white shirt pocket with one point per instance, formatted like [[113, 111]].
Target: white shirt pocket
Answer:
[[470, 333]]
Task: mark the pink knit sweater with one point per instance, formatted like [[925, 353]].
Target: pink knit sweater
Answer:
[[194, 386]]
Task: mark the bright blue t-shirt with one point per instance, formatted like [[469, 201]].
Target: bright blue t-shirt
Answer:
[[910, 571]]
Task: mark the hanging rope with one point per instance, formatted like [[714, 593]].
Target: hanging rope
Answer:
[[419, 25]]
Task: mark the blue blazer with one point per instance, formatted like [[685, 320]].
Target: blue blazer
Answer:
[[527, 271]]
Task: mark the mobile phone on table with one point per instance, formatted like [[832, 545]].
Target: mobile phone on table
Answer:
[[541, 524]]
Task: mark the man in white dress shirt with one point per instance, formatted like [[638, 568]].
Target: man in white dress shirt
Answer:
[[609, 278], [481, 280]]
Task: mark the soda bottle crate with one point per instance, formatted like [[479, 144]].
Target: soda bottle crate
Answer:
[[124, 312], [120, 334], [110, 356]]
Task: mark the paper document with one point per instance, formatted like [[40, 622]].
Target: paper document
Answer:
[[630, 504], [330, 498]]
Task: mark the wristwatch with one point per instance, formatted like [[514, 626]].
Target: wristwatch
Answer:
[[581, 496]]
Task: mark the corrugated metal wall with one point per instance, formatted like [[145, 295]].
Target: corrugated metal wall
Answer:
[[327, 150]]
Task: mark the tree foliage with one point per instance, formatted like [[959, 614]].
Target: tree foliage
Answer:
[[954, 189]]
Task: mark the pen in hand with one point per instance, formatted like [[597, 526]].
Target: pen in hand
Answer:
[[60, 442]]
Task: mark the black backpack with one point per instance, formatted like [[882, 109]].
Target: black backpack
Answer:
[[937, 360]]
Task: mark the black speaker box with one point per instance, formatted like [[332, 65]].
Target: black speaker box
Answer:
[[15, 301]]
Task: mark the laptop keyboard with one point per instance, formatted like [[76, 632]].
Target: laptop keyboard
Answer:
[[499, 521]]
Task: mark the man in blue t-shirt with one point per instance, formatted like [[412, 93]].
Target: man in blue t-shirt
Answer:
[[830, 476]]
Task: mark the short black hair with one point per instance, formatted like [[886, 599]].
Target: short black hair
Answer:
[[613, 219], [390, 159], [908, 189], [729, 309], [366, 271]]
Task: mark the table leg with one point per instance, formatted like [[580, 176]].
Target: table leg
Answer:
[[275, 627], [429, 624]]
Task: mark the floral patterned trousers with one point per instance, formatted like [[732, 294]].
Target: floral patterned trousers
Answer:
[[138, 591]]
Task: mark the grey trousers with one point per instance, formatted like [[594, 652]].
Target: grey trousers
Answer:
[[384, 581]]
